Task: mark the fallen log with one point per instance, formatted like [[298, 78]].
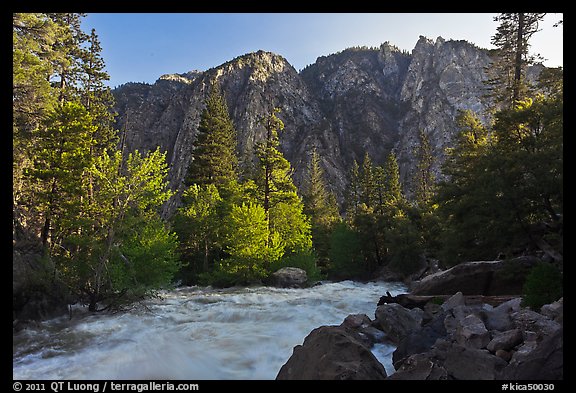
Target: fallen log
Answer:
[[412, 301]]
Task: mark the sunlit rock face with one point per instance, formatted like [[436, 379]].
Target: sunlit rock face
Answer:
[[373, 100]]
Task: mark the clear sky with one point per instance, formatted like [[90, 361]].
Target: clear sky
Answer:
[[143, 46]]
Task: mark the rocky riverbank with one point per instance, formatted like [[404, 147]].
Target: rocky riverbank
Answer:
[[459, 339]]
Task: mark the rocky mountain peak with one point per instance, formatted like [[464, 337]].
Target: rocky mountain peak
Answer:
[[359, 100]]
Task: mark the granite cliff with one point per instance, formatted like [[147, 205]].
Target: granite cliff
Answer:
[[357, 100]]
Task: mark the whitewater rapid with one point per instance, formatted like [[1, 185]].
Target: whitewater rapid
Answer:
[[194, 333]]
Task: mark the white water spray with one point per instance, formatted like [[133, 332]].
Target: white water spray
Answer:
[[194, 333]]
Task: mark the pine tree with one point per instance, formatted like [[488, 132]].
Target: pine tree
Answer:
[[319, 201], [33, 35], [276, 191], [214, 158], [508, 81], [95, 95], [424, 178], [33, 38], [274, 177], [67, 52], [320, 205], [367, 186], [393, 196], [352, 201], [61, 158]]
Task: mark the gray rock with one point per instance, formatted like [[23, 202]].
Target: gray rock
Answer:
[[505, 341], [529, 321], [396, 321], [420, 340], [456, 300], [420, 367], [498, 318], [554, 311], [503, 354], [355, 321], [471, 332], [372, 100], [332, 353], [545, 360], [289, 277], [363, 325], [477, 278], [472, 364]]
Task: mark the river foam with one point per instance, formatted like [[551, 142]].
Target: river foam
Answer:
[[194, 333]]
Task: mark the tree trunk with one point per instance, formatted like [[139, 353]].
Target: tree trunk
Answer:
[[518, 60]]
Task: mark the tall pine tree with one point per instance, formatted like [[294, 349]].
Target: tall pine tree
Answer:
[[321, 206], [508, 73], [425, 179], [214, 158]]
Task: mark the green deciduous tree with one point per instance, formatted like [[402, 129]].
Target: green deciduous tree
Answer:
[[118, 234], [249, 242], [198, 224]]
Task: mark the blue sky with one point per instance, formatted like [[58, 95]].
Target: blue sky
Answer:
[[143, 46]]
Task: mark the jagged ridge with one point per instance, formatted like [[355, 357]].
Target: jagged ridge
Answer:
[[358, 100]]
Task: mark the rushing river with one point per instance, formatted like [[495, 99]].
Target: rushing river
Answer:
[[194, 333]]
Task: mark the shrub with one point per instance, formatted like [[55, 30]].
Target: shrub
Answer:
[[543, 285]]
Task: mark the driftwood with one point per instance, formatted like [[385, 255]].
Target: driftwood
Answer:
[[412, 301]]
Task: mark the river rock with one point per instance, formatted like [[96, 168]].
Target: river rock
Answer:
[[396, 321], [289, 277], [420, 367], [498, 318], [419, 341], [505, 340], [472, 364], [472, 333], [544, 361], [363, 325], [332, 353], [554, 311], [477, 278], [456, 300], [534, 326]]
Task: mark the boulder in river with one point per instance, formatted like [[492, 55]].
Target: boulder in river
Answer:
[[501, 277], [289, 277], [332, 353], [396, 321]]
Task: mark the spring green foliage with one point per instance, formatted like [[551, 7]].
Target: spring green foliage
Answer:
[[195, 224], [94, 210], [240, 230], [249, 243], [118, 232]]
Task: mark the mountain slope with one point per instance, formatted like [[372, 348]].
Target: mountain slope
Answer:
[[345, 104]]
